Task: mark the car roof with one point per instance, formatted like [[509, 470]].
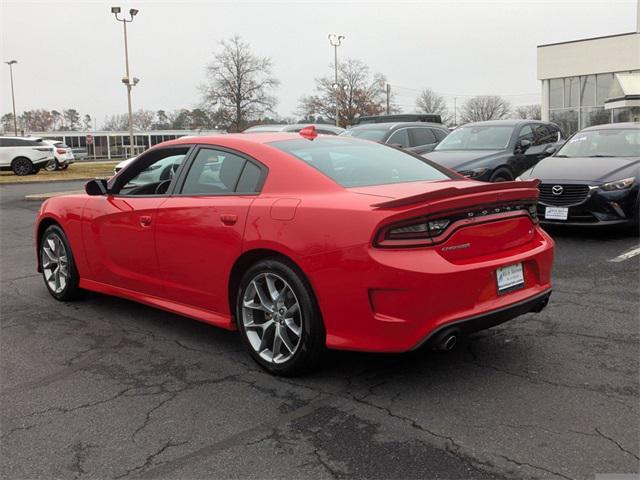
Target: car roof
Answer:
[[612, 126], [255, 137], [396, 125], [509, 122]]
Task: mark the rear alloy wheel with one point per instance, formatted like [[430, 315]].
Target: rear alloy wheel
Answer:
[[278, 319], [58, 268], [22, 166], [52, 166]]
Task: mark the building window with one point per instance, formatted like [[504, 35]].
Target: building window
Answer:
[[572, 92], [588, 91], [626, 114], [566, 119], [603, 84], [590, 116], [556, 94]]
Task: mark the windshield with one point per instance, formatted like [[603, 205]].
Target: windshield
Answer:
[[477, 138], [377, 135], [354, 163], [623, 142]]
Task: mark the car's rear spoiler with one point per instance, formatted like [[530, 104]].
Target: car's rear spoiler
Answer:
[[455, 191]]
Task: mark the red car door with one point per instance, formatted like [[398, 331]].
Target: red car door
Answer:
[[120, 242], [119, 229], [199, 231]]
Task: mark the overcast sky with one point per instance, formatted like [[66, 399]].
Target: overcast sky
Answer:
[[71, 54]]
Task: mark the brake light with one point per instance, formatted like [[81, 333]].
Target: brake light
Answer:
[[424, 231], [61, 151]]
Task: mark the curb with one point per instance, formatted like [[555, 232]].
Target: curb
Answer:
[[57, 180], [44, 196]]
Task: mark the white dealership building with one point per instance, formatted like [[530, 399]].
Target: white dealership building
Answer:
[[591, 81]]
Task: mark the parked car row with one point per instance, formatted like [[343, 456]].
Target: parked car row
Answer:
[[28, 155]]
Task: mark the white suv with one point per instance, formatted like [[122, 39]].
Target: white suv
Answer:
[[63, 156], [24, 155]]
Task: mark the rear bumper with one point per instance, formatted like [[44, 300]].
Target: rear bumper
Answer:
[[394, 300], [487, 320]]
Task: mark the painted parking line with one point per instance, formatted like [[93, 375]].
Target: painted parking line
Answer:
[[626, 255]]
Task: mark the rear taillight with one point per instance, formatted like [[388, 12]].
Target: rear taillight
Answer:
[[424, 231], [61, 151]]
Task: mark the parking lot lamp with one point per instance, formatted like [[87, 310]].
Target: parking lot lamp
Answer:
[[335, 40], [127, 80], [13, 97]]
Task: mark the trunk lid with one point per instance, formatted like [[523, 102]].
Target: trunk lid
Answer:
[[481, 218]]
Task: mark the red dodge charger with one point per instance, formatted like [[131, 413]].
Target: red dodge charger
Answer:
[[303, 242]]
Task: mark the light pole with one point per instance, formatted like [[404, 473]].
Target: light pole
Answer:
[[130, 83], [335, 40], [13, 97]]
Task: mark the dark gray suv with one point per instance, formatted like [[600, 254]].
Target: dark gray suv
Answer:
[[416, 137]]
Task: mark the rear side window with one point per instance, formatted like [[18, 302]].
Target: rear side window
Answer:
[[421, 136], [249, 179], [358, 163], [400, 137], [218, 172]]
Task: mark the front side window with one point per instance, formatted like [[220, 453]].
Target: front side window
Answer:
[[609, 142], [219, 172], [354, 163], [154, 178], [440, 134], [477, 137], [526, 133]]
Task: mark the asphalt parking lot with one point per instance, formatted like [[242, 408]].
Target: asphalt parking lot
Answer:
[[106, 388]]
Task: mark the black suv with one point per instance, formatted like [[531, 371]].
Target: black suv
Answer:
[[399, 117], [497, 150], [416, 137]]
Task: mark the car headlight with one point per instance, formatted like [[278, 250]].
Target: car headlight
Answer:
[[475, 173], [618, 184]]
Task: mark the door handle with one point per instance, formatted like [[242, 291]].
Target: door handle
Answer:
[[229, 219], [145, 220]]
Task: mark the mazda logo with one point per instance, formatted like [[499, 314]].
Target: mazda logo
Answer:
[[557, 189]]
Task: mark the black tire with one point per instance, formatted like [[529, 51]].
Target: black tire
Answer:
[[71, 289], [311, 343], [22, 166], [501, 175], [52, 166]]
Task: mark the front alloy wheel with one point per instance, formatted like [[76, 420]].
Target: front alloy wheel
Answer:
[[22, 166], [57, 265], [278, 318]]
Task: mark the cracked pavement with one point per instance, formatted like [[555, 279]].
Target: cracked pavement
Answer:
[[106, 388]]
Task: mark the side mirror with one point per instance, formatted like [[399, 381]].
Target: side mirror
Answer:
[[96, 187], [396, 145], [550, 150], [523, 145]]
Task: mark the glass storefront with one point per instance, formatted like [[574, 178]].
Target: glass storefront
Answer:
[[578, 102]]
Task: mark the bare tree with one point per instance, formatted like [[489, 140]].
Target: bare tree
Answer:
[[429, 101], [143, 119], [359, 94], [116, 123], [239, 84], [484, 107], [528, 112]]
